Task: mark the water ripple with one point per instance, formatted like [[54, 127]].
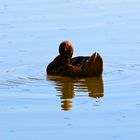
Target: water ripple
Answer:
[[114, 74], [121, 74]]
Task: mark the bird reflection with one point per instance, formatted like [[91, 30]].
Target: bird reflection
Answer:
[[66, 88]]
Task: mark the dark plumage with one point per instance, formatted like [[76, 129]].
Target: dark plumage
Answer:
[[65, 65]]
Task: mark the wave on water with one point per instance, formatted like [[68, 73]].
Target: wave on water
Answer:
[[121, 74], [114, 74]]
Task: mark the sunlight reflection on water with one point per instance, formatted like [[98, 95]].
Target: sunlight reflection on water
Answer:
[[69, 88]]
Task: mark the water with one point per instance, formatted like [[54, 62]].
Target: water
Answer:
[[34, 106]]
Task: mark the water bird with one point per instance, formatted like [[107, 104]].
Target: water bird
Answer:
[[80, 66]]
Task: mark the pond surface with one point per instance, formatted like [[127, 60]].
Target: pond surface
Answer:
[[34, 106]]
